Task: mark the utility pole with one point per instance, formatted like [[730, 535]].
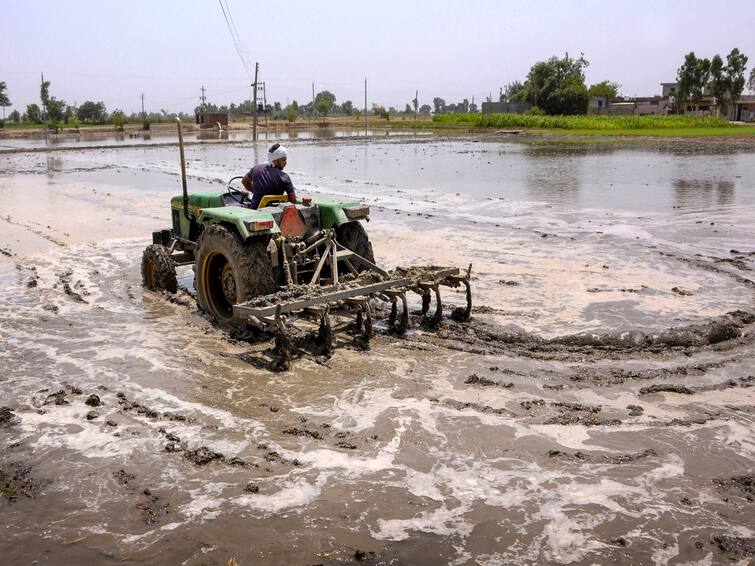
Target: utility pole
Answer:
[[313, 99], [142, 97], [365, 107], [254, 102], [416, 104], [44, 104]]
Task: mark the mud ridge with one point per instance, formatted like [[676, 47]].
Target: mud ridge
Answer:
[[484, 338], [580, 456]]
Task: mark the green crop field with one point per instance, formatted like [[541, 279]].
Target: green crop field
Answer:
[[606, 124]]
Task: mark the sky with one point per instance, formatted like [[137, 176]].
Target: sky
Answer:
[[168, 49]]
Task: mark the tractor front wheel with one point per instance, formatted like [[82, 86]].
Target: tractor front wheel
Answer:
[[354, 237], [158, 270], [229, 271]]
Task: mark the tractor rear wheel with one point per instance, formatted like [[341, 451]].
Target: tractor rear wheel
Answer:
[[228, 271], [158, 270], [354, 237]]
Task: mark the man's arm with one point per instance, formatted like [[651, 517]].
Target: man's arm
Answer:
[[292, 197], [246, 180], [289, 186]]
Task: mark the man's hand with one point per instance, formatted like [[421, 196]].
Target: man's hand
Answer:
[[292, 197], [246, 180]]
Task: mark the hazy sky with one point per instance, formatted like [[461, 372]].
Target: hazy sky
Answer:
[[168, 49]]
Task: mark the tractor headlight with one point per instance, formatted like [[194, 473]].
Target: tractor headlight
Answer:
[[357, 212], [259, 225]]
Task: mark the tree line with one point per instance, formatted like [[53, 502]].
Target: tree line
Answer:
[[555, 86]]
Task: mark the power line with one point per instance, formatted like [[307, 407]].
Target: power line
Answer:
[[235, 40]]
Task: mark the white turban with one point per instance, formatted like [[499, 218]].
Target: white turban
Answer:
[[277, 153]]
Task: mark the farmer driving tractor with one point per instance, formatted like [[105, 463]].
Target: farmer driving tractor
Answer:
[[268, 178]]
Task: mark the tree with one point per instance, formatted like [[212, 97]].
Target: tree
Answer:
[[92, 112], [606, 89], [439, 105], [734, 73], [751, 81], [408, 109], [692, 78], [44, 95], [324, 101], [4, 100], [118, 118], [557, 86], [33, 114], [56, 109], [347, 108], [14, 116], [425, 109], [510, 91]]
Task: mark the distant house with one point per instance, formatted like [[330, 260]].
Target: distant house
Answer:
[[706, 106], [744, 108], [638, 106], [211, 119]]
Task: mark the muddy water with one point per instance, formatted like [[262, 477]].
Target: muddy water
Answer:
[[500, 442]]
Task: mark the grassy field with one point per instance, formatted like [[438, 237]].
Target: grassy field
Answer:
[[584, 123]]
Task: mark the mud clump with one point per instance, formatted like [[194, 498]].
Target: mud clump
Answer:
[[619, 459], [589, 419], [576, 407], [51, 308], [681, 292], [475, 379], [57, 398], [73, 294], [745, 485], [91, 415], [152, 509], [202, 456], [666, 388], [293, 431], [735, 547], [252, 487], [530, 403], [635, 410], [93, 400], [123, 477], [7, 416], [16, 480], [487, 409], [136, 406]]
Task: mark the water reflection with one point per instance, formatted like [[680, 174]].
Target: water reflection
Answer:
[[554, 175], [704, 192]]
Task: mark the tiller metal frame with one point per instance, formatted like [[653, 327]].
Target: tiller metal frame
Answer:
[[339, 296]]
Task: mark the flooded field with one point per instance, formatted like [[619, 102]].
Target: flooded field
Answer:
[[598, 408]]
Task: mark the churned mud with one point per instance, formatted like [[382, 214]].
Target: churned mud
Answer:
[[598, 407]]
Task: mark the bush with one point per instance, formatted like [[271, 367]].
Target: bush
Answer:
[[146, 124], [2, 123], [536, 111], [118, 119]]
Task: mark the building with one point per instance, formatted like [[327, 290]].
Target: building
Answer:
[[744, 108], [211, 119], [638, 106], [505, 107]]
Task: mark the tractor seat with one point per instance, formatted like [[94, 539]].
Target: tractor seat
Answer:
[[271, 199]]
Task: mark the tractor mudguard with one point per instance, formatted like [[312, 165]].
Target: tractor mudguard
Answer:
[[335, 211], [248, 222]]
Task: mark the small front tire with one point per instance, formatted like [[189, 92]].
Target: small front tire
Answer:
[[158, 269]]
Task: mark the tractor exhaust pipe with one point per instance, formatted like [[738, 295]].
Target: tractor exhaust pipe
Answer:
[[183, 169]]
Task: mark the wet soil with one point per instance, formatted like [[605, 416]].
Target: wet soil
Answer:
[[598, 407]]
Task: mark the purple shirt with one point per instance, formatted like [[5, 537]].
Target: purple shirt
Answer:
[[268, 180]]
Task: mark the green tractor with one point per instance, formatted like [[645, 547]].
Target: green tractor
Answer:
[[283, 261]]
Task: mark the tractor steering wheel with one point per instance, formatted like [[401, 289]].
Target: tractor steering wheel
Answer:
[[240, 196]]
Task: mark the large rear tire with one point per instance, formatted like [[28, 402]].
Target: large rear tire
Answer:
[[229, 271], [354, 237], [158, 270]]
